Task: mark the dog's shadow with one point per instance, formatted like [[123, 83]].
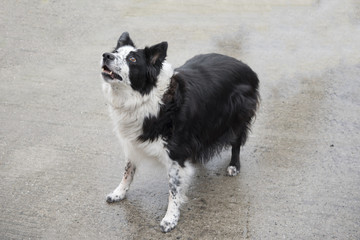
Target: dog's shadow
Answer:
[[215, 200]]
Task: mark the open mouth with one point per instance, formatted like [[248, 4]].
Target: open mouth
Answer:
[[107, 73]]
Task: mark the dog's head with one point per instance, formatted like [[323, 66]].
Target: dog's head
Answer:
[[138, 68]]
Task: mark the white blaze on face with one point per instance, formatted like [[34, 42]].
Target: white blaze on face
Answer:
[[119, 65]]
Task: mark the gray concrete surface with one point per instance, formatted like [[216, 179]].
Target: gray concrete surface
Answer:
[[300, 176]]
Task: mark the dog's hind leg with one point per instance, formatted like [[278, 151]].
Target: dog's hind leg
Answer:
[[179, 180], [234, 166], [119, 193]]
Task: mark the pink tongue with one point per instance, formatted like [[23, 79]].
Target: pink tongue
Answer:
[[108, 72]]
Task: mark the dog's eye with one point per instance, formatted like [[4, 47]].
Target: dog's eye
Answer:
[[132, 59]]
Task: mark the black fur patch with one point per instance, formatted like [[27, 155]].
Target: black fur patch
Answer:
[[145, 71], [162, 125], [209, 105]]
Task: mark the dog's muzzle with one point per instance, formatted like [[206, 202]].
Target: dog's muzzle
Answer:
[[107, 73]]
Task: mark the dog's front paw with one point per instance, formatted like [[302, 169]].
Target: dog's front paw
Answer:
[[114, 197], [232, 171], [167, 225]]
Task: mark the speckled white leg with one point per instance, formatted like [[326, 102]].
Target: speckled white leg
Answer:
[[119, 193], [179, 179], [172, 214]]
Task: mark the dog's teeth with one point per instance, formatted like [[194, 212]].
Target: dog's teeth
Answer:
[[111, 73]]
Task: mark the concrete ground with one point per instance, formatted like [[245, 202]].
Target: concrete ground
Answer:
[[300, 176]]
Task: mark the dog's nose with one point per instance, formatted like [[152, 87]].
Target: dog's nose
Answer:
[[108, 56]]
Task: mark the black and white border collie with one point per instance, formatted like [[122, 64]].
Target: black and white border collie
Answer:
[[177, 117]]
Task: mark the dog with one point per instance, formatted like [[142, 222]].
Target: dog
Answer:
[[178, 117]]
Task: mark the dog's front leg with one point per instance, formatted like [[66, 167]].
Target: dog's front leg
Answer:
[[119, 193], [179, 178]]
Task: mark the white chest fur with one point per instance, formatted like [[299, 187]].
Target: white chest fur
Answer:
[[128, 109]]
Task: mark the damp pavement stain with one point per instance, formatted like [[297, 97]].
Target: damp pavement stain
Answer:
[[59, 158]]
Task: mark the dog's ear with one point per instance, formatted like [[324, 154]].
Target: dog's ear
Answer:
[[156, 54], [125, 40]]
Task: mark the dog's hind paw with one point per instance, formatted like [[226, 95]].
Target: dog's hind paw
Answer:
[[232, 171]]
